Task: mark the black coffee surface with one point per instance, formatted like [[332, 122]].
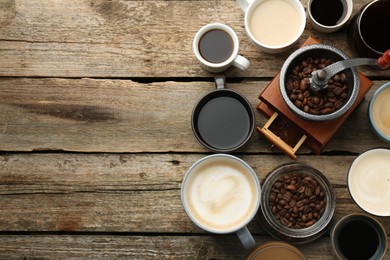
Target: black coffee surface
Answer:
[[375, 25], [329, 12], [358, 240], [223, 122], [216, 46]]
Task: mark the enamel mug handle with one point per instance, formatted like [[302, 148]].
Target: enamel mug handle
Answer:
[[244, 4], [245, 237]]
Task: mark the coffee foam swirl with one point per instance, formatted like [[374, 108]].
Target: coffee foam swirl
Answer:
[[369, 182], [221, 195]]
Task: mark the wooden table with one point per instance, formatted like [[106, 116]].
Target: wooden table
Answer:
[[95, 135]]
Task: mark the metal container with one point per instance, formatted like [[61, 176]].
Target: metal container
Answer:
[[320, 51]]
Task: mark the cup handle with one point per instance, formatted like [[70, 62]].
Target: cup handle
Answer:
[[220, 82], [241, 62], [244, 4], [245, 237]]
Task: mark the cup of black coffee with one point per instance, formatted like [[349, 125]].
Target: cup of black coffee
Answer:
[[223, 119], [329, 15], [216, 47], [359, 236], [368, 31]]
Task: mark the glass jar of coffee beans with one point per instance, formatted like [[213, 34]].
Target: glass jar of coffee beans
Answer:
[[297, 203]]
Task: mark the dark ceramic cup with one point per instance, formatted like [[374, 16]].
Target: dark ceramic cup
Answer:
[[368, 31], [359, 236], [223, 119]]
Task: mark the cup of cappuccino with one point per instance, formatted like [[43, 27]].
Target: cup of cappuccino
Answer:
[[379, 112], [221, 194], [369, 181], [273, 25]]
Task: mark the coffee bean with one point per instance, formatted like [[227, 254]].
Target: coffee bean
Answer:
[[298, 103], [320, 102], [298, 202], [272, 197], [325, 111], [284, 221], [318, 190], [308, 224], [308, 192], [291, 187], [303, 85]]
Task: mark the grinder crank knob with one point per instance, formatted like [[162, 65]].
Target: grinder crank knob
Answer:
[[384, 60]]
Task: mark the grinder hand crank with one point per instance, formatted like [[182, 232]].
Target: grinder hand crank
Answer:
[[319, 79]]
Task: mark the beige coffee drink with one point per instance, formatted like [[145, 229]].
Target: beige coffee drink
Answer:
[[221, 194], [369, 181], [275, 22], [381, 112]]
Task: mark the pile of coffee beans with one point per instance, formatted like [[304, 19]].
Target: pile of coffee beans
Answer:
[[297, 200], [317, 103]]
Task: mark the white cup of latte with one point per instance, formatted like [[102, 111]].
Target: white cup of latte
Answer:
[[273, 26], [221, 194], [379, 112], [369, 181]]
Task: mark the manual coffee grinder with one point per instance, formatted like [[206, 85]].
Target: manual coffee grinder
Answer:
[[288, 126]]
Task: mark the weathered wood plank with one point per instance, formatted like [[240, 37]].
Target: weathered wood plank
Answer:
[[90, 115], [127, 38], [139, 247], [123, 193]]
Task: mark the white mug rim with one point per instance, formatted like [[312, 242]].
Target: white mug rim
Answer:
[[302, 17], [209, 27], [232, 229]]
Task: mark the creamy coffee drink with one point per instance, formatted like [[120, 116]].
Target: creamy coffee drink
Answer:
[[275, 22], [221, 194], [381, 112], [369, 181]]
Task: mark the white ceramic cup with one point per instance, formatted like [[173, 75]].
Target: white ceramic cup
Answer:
[[221, 194], [325, 28], [234, 59], [369, 181], [249, 6]]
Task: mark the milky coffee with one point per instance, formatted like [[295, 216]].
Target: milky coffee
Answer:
[[274, 22], [369, 181], [221, 194], [381, 112]]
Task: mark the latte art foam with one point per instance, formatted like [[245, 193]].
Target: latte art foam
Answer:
[[221, 195], [369, 181]]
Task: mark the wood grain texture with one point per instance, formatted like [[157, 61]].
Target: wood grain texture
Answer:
[[140, 247], [95, 134], [89, 115], [123, 193], [128, 39]]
